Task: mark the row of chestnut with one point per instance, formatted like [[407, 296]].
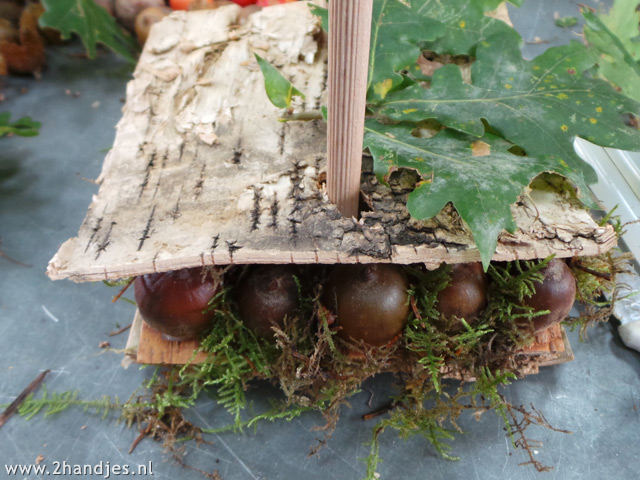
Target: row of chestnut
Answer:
[[368, 302]]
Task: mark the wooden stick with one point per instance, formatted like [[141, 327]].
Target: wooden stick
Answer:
[[349, 37], [11, 409]]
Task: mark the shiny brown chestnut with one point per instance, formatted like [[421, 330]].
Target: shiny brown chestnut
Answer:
[[266, 295], [464, 297], [176, 303], [556, 293], [371, 302]]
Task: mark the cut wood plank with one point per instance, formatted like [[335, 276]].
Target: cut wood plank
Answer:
[[154, 349], [551, 347], [349, 34], [202, 172]]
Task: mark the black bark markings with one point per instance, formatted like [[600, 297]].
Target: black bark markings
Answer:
[[147, 229], [102, 246], [255, 211], [94, 233]]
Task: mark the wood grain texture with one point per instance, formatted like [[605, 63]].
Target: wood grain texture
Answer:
[[203, 173], [154, 349], [349, 34]]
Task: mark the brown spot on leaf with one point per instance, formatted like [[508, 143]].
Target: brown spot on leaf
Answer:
[[631, 120], [480, 148], [427, 67]]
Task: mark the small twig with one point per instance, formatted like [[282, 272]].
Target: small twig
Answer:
[[415, 309], [13, 260], [251, 364], [380, 411], [139, 438], [215, 475], [13, 407], [94, 182], [586, 7], [124, 289], [119, 331], [302, 116], [595, 273]]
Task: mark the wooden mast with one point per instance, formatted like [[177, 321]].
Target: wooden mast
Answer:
[[349, 38]]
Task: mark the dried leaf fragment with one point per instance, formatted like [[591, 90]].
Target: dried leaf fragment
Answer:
[[27, 56]]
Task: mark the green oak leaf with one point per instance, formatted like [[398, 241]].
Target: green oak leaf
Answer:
[[279, 90], [488, 5], [566, 22], [25, 127], [398, 29], [465, 25], [481, 188], [91, 22], [540, 105], [619, 53]]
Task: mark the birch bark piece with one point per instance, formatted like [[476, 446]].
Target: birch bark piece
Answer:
[[203, 173], [349, 38]]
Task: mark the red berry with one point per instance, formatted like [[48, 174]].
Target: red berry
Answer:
[[185, 4], [244, 3], [267, 3]]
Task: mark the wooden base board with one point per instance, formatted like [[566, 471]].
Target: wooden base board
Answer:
[[147, 346]]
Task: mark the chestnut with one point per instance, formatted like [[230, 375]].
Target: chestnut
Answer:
[[464, 297], [266, 295], [176, 303], [146, 19], [371, 302], [556, 293], [128, 10]]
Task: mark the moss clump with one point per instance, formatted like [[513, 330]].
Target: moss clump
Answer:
[[317, 370]]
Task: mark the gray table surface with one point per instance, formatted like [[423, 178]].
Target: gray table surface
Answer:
[[59, 325]]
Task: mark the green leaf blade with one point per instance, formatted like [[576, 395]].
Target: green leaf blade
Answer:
[[465, 24], [540, 105], [398, 28], [488, 5], [279, 90], [566, 22], [92, 23], [619, 52], [24, 127], [481, 188]]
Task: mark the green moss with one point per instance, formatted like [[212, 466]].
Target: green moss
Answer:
[[316, 370]]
